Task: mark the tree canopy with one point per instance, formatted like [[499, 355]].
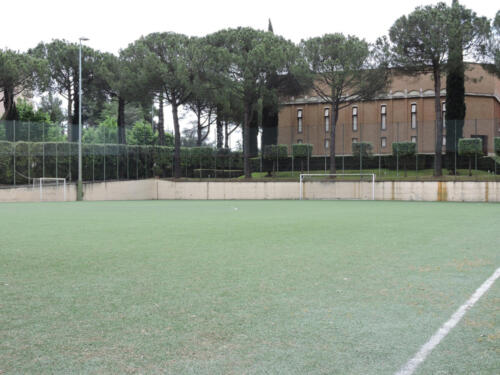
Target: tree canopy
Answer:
[[346, 69]]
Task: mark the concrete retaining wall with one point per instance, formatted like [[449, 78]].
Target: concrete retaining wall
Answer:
[[165, 189]]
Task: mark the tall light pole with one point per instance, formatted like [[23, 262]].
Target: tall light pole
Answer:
[[79, 189]]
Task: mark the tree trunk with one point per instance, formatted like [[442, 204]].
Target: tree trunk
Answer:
[[177, 140], [253, 136], [11, 113], [121, 121], [246, 143], [70, 113], [470, 166], [161, 122], [198, 127], [76, 108], [226, 136], [220, 135], [438, 156], [333, 167], [404, 162]]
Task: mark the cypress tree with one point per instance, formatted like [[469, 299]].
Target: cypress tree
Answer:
[[455, 86], [270, 111]]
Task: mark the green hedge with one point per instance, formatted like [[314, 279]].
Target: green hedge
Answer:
[[106, 161], [470, 146], [302, 150], [403, 149], [497, 146], [273, 152], [364, 149]]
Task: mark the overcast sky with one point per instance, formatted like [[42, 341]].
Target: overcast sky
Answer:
[[113, 24]]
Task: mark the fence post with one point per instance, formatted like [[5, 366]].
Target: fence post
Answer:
[[397, 149], [360, 149], [475, 154], [43, 149], [343, 149], [104, 154], [29, 151]]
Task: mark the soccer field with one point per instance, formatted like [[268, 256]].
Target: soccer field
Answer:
[[246, 287]]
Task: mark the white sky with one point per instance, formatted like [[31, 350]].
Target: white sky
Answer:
[[112, 24]]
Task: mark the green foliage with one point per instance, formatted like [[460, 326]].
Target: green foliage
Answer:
[[497, 145], [142, 134], [251, 58], [362, 149], [105, 132], [51, 105], [102, 161], [19, 72], [273, 152], [470, 146], [62, 59], [404, 149], [302, 150], [27, 113], [345, 64]]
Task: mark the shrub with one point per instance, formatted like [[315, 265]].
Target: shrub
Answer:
[[497, 146], [302, 150], [404, 149], [470, 147], [362, 149], [273, 152]]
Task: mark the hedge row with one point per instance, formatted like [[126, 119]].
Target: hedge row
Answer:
[[105, 161]]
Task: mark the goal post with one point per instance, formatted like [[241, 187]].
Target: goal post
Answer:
[[370, 178], [44, 182]]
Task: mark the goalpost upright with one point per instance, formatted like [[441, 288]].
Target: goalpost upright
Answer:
[[55, 181], [301, 180]]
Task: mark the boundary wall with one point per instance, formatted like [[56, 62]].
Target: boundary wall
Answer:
[[155, 189]]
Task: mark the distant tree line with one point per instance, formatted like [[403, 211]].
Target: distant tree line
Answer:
[[234, 78]]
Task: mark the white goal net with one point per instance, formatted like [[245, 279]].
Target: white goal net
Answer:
[[51, 188], [359, 186]]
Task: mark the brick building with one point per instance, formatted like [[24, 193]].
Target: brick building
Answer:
[[405, 113]]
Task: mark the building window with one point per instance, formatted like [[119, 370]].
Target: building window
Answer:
[[299, 141], [443, 114], [355, 140], [299, 120], [383, 117], [354, 119], [414, 116], [327, 143], [327, 120], [383, 142], [414, 139]]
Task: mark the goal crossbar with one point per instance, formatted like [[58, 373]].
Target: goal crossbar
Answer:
[[301, 179], [57, 180]]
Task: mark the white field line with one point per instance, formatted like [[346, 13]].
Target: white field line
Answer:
[[424, 351]]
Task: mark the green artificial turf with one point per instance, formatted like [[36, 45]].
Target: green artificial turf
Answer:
[[246, 287]]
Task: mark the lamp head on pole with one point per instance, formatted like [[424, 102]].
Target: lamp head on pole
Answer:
[[83, 39]]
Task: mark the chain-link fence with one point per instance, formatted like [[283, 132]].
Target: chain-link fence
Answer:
[[395, 151]]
